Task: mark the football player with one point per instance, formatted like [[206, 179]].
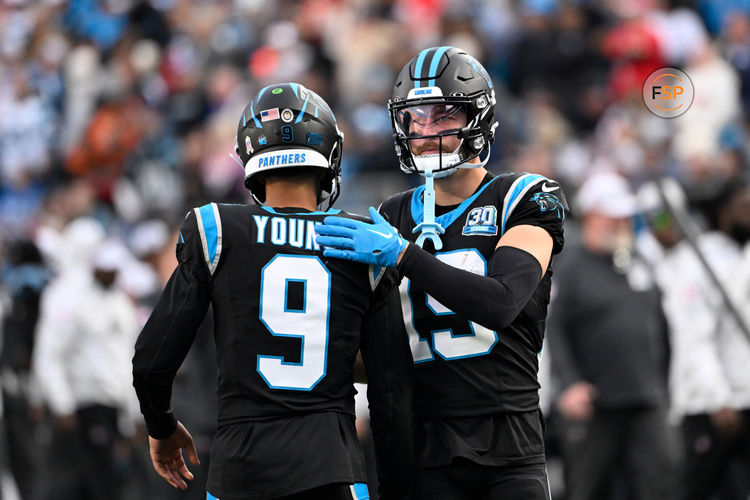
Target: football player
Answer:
[[288, 325], [474, 298]]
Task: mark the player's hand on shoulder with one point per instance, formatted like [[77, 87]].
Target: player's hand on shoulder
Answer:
[[166, 456], [377, 244]]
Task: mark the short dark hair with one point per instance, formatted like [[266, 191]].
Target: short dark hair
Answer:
[[301, 173], [287, 173]]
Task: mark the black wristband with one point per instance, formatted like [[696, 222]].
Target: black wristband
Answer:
[[161, 427]]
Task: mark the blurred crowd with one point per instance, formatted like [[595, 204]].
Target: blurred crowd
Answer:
[[118, 116]]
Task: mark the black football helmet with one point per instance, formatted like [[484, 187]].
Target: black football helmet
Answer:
[[289, 126], [441, 83]]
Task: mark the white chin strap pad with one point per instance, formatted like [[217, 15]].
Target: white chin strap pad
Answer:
[[433, 161]]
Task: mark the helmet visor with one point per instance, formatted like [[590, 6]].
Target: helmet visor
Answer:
[[431, 128], [431, 119]]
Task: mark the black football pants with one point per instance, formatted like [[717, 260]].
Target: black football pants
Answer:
[[715, 464], [636, 444], [327, 492], [466, 480]]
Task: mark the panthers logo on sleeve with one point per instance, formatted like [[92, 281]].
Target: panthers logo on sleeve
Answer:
[[549, 202]]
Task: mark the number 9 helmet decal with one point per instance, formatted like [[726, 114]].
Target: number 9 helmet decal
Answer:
[[288, 126], [442, 112]]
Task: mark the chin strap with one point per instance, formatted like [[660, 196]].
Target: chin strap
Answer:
[[429, 228]]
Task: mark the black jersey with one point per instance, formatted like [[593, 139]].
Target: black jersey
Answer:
[[463, 369], [287, 325]]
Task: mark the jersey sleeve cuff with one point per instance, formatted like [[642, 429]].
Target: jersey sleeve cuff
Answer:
[[407, 260], [163, 426]]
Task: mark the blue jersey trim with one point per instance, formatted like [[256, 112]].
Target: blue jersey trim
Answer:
[[209, 496], [330, 211], [445, 220], [294, 89], [420, 339], [210, 230], [435, 63], [518, 189], [360, 491]]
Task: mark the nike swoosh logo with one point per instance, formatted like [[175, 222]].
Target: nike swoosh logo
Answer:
[[386, 236], [547, 188]]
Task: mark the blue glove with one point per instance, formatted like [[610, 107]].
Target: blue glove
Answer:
[[378, 244]]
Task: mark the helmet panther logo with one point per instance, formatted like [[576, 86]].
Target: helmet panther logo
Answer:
[[478, 68]]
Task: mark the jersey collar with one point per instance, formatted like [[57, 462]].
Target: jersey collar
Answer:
[[445, 220], [298, 211]]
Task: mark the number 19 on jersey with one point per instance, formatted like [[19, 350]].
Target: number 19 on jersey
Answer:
[[445, 342]]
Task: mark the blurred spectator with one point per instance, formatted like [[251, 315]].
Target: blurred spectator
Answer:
[[114, 132], [26, 140], [557, 52], [716, 14], [24, 277], [86, 334], [715, 105], [709, 380], [608, 345], [634, 47], [736, 48], [681, 33], [143, 276]]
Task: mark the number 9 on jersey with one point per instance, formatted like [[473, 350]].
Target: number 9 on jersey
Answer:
[[309, 323]]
